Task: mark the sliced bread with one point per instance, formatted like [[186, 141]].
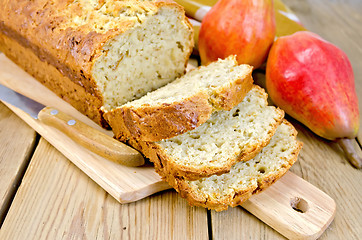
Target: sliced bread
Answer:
[[97, 54], [244, 178], [224, 139], [184, 104]]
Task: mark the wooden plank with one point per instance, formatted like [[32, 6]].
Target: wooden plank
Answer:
[[306, 219], [338, 22], [323, 164], [301, 169], [291, 206], [58, 201], [17, 144], [237, 223], [309, 210]]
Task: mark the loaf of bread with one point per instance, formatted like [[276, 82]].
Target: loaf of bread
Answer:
[[225, 138], [183, 104], [245, 178], [97, 54]]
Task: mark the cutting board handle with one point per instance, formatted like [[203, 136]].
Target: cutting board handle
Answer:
[[293, 207]]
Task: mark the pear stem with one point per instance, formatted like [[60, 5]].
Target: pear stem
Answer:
[[352, 150]]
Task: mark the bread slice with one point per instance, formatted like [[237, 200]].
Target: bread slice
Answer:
[[224, 139], [97, 54], [184, 104], [244, 178]]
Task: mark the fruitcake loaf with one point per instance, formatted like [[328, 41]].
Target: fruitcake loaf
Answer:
[[183, 104], [97, 54], [212, 148]]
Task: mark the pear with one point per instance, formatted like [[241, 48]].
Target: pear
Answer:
[[243, 28], [312, 80]]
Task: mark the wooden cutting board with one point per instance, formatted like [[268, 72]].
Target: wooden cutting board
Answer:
[[292, 206]]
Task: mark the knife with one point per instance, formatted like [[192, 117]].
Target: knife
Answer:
[[88, 137]]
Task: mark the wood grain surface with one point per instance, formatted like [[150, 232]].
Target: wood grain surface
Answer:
[[56, 200], [17, 143], [323, 164], [126, 184], [310, 210], [77, 208]]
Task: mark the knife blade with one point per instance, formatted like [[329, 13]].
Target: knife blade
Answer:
[[88, 137]]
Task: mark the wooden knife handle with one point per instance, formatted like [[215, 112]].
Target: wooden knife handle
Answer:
[[91, 138], [293, 207]]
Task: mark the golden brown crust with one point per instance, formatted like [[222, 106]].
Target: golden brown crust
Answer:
[[155, 123], [244, 194], [228, 97], [43, 27], [164, 121], [252, 151], [61, 51], [166, 165], [195, 200], [270, 179], [48, 28], [49, 76], [180, 184], [192, 173]]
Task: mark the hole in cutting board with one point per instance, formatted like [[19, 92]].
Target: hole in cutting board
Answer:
[[299, 204]]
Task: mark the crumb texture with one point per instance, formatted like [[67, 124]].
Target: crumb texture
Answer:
[[183, 104], [143, 58], [248, 177], [227, 137], [209, 79]]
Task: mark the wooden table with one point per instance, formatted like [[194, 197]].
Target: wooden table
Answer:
[[44, 196]]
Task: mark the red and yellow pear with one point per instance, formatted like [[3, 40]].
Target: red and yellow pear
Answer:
[[313, 81], [243, 28]]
